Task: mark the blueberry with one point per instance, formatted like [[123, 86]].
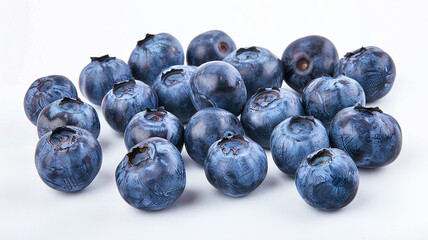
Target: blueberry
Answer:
[[68, 158], [151, 176], [99, 76], [372, 68], [172, 87], [294, 138], [153, 54], [308, 58], [266, 109], [125, 100], [372, 138], [235, 165], [68, 111], [327, 179], [44, 91], [258, 67], [206, 127], [154, 123], [326, 96], [209, 46], [218, 84]]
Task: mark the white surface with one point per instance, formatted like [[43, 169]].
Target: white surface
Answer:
[[38, 38]]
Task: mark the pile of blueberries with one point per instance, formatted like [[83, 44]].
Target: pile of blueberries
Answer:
[[320, 132]]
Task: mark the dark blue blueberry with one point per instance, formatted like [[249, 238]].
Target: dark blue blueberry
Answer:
[[209, 46], [372, 68], [326, 96], [266, 109], [236, 165], [173, 89], [99, 76], [294, 138], [154, 123], [152, 175], [258, 67], [218, 84], [68, 111], [44, 91], [327, 179], [153, 54], [125, 100], [372, 138], [206, 127], [308, 58], [68, 158]]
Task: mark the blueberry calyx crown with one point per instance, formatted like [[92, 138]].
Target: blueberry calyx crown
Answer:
[[166, 75], [370, 110], [155, 114], [267, 96], [101, 59], [302, 119], [45, 85], [232, 143], [123, 83], [139, 154], [250, 49], [70, 100], [63, 138], [147, 38], [321, 157], [353, 53]]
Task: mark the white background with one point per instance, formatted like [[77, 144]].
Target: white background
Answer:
[[39, 38]]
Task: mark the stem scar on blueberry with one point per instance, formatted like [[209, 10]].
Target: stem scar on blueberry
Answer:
[[302, 119], [303, 64], [321, 157], [138, 155], [62, 137], [223, 47], [166, 75], [232, 143]]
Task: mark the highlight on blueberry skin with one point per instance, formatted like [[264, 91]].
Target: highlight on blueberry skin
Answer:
[[99, 76], [218, 84], [151, 176], [372, 138], [68, 158], [125, 100], [266, 109], [206, 127], [45, 90], [209, 46], [153, 54], [294, 139], [258, 67], [154, 123], [308, 58], [373, 68], [327, 179], [235, 165], [68, 111], [326, 96], [172, 87]]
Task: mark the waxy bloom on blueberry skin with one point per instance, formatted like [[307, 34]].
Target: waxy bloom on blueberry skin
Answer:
[[152, 175], [100, 75], [235, 165], [45, 90], [68, 158], [327, 179], [372, 138], [68, 111]]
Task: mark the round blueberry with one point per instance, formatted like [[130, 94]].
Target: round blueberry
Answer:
[[154, 123], [218, 84], [372, 68], [294, 138], [68, 111], [209, 46], [308, 58], [372, 138], [206, 127], [235, 165], [152, 175], [172, 87], [258, 67], [44, 91], [68, 158], [326, 96], [266, 109], [125, 100], [327, 179], [153, 54]]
